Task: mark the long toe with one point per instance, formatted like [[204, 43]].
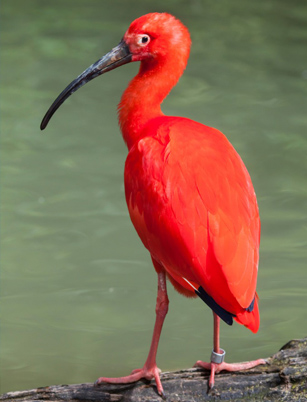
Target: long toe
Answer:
[[217, 367], [239, 366], [136, 375], [229, 366], [156, 373], [204, 365]]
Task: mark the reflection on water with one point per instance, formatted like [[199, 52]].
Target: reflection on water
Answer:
[[77, 287]]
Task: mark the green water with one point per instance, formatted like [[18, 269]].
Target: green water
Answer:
[[77, 287]]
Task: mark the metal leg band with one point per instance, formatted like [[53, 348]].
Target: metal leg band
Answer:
[[218, 357]]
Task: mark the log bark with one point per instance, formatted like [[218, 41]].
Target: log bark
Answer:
[[283, 378]]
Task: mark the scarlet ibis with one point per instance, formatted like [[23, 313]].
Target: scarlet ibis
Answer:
[[189, 195]]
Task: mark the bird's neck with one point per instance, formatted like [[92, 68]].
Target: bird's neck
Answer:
[[142, 100]]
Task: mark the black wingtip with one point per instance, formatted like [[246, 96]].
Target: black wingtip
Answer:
[[250, 308], [222, 313]]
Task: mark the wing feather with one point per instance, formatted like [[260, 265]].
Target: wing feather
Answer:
[[192, 202]]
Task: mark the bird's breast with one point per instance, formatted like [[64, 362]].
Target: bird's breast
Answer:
[[151, 197], [146, 194]]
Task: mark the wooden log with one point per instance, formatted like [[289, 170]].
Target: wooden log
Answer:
[[283, 378]]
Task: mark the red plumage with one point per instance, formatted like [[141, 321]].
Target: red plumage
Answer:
[[189, 195], [193, 205]]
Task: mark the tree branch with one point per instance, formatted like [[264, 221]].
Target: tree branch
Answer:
[[284, 378]]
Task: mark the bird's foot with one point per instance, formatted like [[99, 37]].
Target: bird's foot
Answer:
[[217, 367], [136, 375]]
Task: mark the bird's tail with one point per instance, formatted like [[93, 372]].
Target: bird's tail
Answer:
[[250, 319]]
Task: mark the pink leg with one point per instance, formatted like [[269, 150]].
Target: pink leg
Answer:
[[150, 369], [217, 367]]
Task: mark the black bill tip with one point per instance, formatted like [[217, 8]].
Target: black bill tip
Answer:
[[118, 56]]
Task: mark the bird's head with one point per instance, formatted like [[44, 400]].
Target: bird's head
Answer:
[[154, 39], [156, 36]]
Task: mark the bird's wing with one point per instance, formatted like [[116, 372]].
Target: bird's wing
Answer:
[[213, 173], [199, 210]]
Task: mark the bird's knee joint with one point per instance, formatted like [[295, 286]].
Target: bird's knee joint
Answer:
[[162, 307]]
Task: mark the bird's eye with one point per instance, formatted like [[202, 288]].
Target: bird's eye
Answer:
[[143, 40]]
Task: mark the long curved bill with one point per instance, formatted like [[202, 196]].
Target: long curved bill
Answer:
[[118, 56]]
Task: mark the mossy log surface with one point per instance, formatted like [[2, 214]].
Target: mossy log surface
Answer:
[[283, 378]]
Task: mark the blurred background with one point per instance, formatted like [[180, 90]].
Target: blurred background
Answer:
[[78, 289]]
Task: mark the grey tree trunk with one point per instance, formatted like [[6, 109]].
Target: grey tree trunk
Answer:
[[284, 378]]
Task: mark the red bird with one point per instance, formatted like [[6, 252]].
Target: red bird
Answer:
[[189, 195]]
